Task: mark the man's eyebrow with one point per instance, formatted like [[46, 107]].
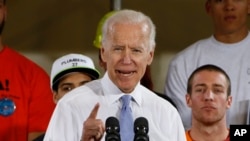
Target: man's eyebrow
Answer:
[[200, 84]]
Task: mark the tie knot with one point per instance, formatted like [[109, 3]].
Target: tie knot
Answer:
[[125, 100]]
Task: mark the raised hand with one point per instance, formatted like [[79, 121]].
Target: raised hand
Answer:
[[93, 129]]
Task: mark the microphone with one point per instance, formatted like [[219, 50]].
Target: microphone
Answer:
[[141, 129], [112, 129]]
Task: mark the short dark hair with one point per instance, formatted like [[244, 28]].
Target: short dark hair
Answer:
[[208, 67]]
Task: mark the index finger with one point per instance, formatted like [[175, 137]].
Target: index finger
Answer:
[[94, 111]]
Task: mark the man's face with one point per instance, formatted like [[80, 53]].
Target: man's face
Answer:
[[228, 16], [69, 82], [208, 99], [127, 55]]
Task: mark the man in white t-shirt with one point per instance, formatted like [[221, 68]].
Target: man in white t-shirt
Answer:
[[228, 48]]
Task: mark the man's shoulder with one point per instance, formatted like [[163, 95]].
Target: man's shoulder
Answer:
[[21, 64], [11, 53], [18, 58], [193, 47], [190, 51]]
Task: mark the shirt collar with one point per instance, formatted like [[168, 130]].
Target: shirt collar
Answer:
[[113, 93]]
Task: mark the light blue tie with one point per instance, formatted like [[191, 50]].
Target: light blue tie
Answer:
[[126, 120]]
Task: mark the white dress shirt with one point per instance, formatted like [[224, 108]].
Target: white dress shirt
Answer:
[[74, 108]]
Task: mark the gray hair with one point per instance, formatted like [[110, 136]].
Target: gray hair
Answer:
[[129, 16]]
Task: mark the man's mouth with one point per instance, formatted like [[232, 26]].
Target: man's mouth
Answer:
[[125, 73]]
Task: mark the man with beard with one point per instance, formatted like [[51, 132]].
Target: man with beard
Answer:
[[209, 97], [26, 103]]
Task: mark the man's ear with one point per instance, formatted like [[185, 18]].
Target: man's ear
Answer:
[[5, 12], [103, 56], [248, 7], [188, 101], [55, 97], [229, 101], [208, 6], [150, 57]]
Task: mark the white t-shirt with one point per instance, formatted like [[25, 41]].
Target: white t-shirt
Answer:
[[233, 58], [73, 109]]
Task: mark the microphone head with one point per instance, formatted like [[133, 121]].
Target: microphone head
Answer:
[[141, 125], [112, 129], [112, 124]]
